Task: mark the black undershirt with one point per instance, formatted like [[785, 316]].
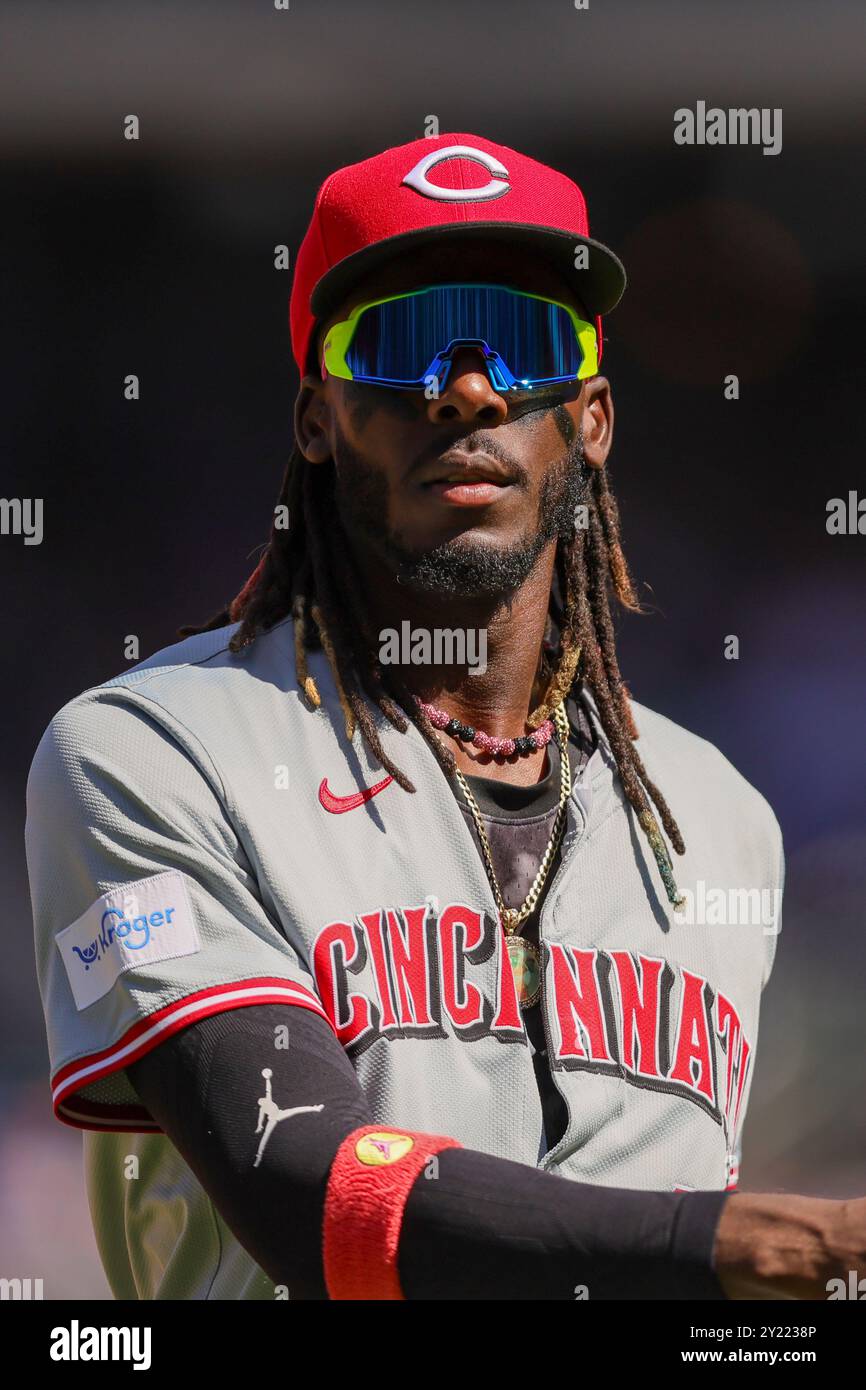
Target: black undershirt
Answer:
[[518, 821]]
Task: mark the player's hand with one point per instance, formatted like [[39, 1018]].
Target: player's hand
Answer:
[[778, 1246]]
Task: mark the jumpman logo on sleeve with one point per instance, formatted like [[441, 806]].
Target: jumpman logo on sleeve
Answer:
[[270, 1114]]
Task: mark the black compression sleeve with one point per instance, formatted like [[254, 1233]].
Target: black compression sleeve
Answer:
[[490, 1228], [203, 1087], [483, 1227]]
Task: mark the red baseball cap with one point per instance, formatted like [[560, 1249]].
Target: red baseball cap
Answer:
[[457, 186]]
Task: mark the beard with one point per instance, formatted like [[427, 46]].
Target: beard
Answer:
[[460, 566]]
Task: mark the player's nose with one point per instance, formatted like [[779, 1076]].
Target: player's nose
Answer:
[[468, 394]]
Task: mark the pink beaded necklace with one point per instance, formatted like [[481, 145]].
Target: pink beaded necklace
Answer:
[[498, 747]]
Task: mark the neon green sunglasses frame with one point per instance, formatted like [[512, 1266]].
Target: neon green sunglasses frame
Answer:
[[340, 336]]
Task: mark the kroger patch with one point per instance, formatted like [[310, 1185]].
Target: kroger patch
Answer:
[[127, 928]]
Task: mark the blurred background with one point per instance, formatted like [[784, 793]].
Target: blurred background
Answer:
[[156, 257]]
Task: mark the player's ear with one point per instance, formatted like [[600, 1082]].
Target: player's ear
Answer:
[[597, 421], [312, 420]]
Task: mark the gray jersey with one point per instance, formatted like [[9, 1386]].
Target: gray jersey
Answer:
[[199, 840]]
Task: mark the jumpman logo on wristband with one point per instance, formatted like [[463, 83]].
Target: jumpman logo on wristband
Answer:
[[267, 1107]]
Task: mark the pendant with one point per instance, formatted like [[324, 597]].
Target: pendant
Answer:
[[526, 968]]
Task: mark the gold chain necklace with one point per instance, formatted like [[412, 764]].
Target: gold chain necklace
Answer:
[[523, 955]]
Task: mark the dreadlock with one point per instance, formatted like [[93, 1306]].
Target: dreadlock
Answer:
[[306, 570]]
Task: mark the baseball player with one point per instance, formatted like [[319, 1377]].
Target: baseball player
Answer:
[[367, 967]]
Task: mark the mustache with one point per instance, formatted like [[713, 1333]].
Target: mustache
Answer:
[[477, 442], [490, 441]]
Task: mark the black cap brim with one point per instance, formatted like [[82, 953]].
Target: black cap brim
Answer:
[[599, 286]]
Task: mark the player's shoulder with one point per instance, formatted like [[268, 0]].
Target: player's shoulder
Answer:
[[674, 754], [202, 661], [183, 685], [661, 731]]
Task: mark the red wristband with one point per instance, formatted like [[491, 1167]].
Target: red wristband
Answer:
[[368, 1187]]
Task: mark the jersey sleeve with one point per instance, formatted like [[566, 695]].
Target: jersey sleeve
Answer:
[[772, 930], [146, 908]]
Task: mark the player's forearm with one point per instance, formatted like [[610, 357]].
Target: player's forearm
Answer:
[[784, 1246], [471, 1226], [496, 1229]]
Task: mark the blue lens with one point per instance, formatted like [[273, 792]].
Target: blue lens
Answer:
[[403, 340]]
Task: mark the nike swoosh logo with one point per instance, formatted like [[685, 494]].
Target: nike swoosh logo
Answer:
[[337, 804]]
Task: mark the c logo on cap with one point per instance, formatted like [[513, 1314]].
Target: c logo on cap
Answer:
[[494, 188]]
